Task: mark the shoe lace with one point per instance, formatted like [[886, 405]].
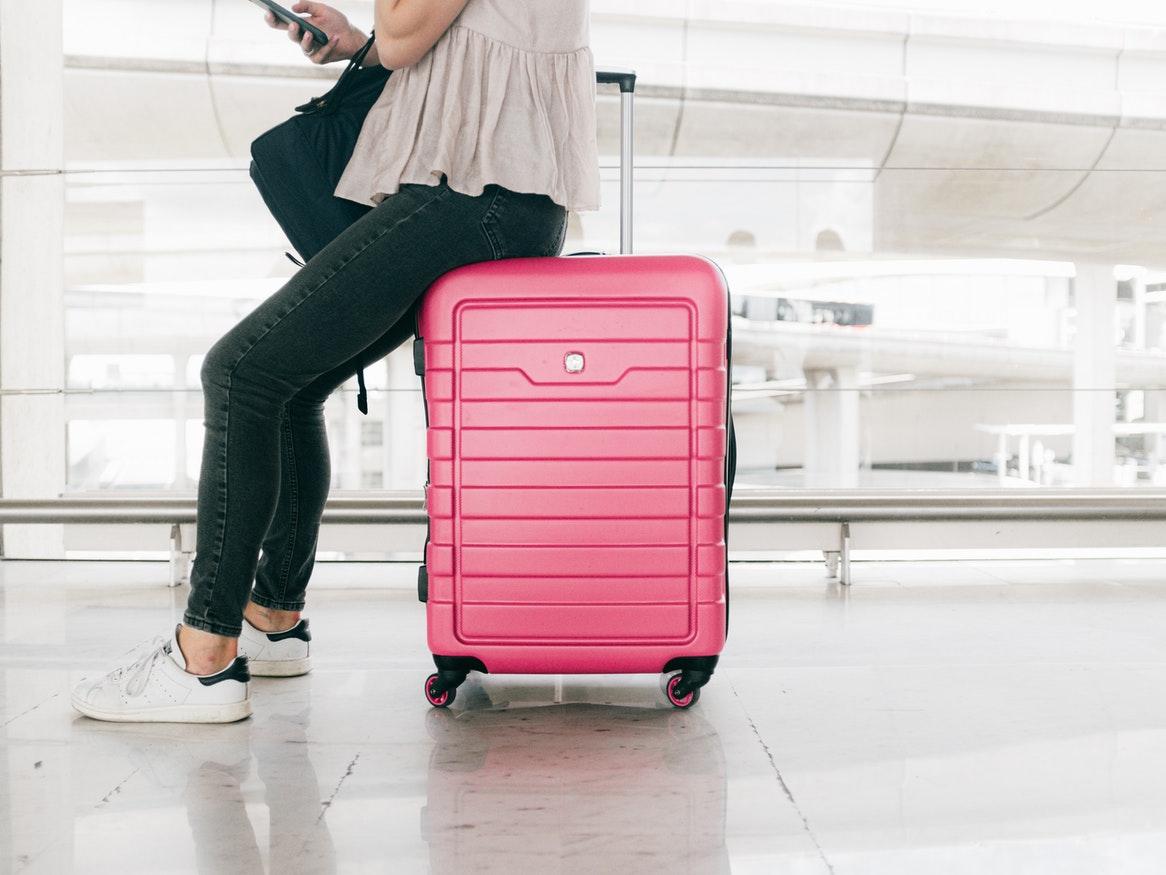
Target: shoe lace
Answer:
[[137, 673]]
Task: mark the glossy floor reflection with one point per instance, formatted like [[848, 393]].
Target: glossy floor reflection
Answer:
[[938, 718]]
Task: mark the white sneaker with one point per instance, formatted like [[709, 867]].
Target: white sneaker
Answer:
[[156, 688], [276, 654]]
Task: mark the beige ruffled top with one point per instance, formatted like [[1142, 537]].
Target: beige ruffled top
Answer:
[[506, 96]]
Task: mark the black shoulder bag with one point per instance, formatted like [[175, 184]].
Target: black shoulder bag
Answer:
[[297, 164]]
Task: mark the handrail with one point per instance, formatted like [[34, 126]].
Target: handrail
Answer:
[[748, 506], [405, 507], [853, 506]]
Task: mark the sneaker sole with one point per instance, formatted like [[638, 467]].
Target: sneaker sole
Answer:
[[230, 713], [279, 668]]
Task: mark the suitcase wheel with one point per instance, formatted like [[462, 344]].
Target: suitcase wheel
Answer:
[[684, 691], [437, 695]]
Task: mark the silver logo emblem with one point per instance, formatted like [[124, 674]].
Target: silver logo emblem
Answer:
[[573, 362]]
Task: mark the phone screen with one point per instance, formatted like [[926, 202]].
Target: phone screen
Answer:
[[289, 17]]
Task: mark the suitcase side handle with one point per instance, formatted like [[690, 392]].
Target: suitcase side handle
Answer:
[[626, 80]]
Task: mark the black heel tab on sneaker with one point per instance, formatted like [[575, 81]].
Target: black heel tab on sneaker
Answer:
[[238, 670], [299, 630]]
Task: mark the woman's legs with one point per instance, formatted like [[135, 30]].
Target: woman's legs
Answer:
[[317, 324], [289, 547]]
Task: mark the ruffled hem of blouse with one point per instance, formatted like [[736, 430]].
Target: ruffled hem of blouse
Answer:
[[481, 111]]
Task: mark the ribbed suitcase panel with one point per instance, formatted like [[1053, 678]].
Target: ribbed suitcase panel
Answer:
[[560, 474], [637, 320], [515, 413], [573, 589], [576, 442], [612, 560], [615, 655], [580, 502], [567, 532], [533, 623], [511, 384]]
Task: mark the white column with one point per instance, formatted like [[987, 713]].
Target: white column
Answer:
[[32, 335], [1094, 375], [1138, 280], [350, 439], [1155, 412], [1002, 458], [178, 400], [404, 423], [832, 428]]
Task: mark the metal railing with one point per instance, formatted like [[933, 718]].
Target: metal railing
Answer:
[[749, 507]]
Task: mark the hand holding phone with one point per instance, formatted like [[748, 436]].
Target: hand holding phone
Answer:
[[312, 27]]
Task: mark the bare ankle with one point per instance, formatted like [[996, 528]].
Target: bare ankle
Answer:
[[270, 619], [204, 652]]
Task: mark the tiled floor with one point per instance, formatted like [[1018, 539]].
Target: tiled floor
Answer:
[[937, 718]]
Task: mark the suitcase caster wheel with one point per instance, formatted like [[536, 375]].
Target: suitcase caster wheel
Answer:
[[436, 696], [681, 701]]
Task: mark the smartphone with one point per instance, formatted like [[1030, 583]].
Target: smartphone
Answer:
[[289, 17]]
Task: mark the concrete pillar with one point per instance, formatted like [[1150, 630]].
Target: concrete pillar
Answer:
[[1155, 411], [1138, 281], [832, 428], [1094, 374], [32, 319]]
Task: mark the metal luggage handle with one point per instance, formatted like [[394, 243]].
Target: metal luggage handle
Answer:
[[625, 78]]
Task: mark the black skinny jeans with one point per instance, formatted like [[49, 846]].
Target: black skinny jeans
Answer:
[[265, 464]]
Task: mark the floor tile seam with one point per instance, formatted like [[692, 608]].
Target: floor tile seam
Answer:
[[327, 803], [27, 711], [104, 800], [781, 780]]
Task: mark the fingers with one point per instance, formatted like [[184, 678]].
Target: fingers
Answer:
[[326, 54], [272, 21], [307, 6], [320, 54]]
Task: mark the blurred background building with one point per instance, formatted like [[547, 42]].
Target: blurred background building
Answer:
[[942, 223]]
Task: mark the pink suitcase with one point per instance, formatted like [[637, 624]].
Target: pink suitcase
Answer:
[[579, 465]]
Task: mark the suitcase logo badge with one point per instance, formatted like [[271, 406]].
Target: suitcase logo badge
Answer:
[[573, 362]]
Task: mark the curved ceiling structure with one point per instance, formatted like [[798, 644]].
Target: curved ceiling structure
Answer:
[[903, 132]]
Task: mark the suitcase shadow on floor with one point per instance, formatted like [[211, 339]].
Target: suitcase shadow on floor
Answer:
[[574, 787]]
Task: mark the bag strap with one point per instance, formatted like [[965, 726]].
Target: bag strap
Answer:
[[358, 58], [332, 97]]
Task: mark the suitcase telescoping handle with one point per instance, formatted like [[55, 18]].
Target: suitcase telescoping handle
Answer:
[[626, 80]]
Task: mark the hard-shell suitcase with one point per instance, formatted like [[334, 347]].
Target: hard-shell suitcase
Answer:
[[580, 463]]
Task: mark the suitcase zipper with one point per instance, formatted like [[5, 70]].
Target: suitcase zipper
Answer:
[[419, 369]]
